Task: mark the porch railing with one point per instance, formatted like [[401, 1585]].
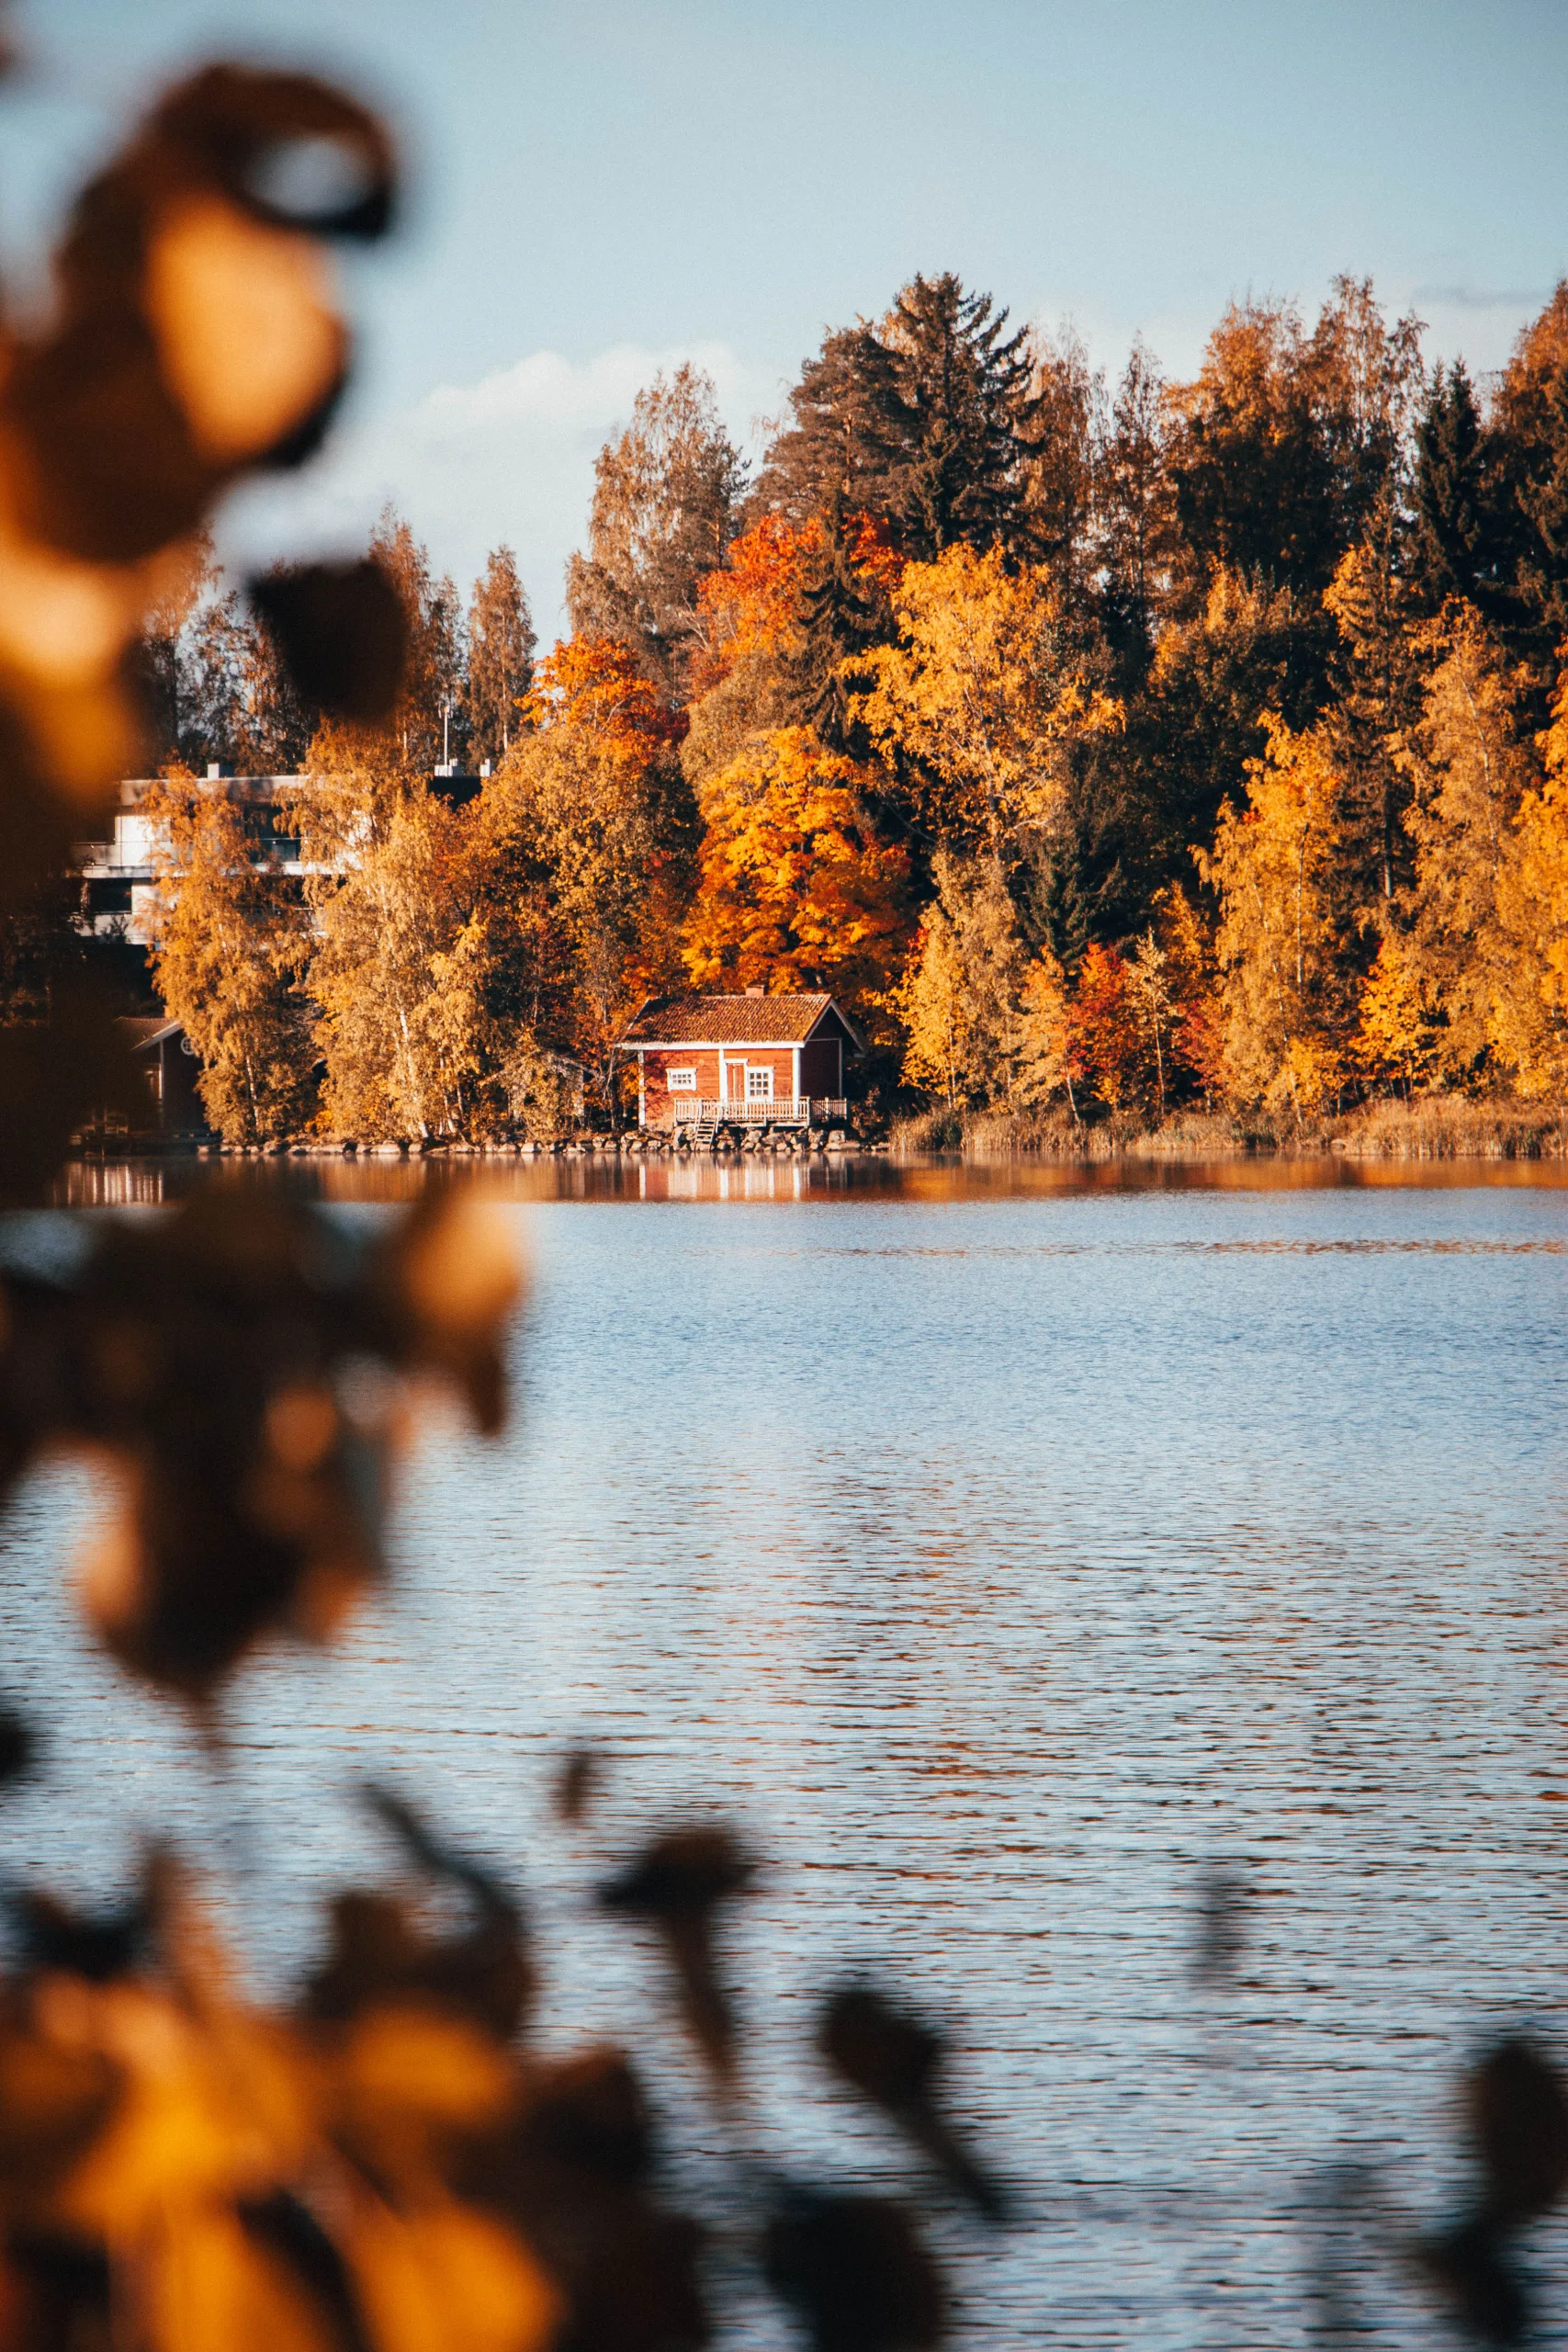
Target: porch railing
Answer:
[[755, 1110]]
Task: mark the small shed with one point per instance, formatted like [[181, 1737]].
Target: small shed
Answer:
[[168, 1063], [753, 1059]]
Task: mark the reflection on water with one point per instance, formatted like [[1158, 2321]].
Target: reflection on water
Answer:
[[123, 1184], [1128, 1605]]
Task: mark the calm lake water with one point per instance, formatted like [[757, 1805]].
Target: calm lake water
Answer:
[[1006, 1548]]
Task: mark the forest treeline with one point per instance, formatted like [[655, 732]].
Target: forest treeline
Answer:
[[1101, 748]]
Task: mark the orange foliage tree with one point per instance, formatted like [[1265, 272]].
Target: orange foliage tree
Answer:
[[592, 687], [589, 827], [794, 888], [752, 602]]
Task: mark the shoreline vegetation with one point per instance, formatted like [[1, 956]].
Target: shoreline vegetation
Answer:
[[1154, 769], [1433, 1127], [1428, 1127]]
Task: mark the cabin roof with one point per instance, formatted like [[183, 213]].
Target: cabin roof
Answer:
[[732, 1021], [141, 1030]]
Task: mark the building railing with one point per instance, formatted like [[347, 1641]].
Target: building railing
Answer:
[[755, 1110]]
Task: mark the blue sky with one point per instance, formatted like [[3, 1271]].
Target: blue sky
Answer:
[[602, 186]]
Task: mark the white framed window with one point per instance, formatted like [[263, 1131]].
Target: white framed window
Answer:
[[682, 1082], [759, 1082]]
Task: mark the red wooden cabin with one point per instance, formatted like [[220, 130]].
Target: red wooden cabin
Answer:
[[751, 1060]]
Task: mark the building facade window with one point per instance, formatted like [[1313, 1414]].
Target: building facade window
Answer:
[[682, 1082], [759, 1082]]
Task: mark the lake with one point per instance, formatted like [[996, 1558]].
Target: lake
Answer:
[[1008, 1548]]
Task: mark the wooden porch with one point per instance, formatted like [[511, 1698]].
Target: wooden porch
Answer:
[[758, 1111]]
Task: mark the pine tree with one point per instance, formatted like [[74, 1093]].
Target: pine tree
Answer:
[[963, 396], [846, 613], [1456, 549], [1136, 517], [1376, 671], [1062, 427], [918, 422]]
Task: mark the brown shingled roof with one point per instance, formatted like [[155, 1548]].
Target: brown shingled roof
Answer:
[[730, 1020]]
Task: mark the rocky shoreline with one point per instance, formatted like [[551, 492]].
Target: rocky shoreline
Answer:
[[632, 1142]]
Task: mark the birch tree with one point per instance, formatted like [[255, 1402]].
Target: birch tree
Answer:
[[230, 942]]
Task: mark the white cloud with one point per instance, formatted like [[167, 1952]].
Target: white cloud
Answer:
[[508, 457]]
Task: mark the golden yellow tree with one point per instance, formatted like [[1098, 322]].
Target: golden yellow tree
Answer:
[[229, 941], [1047, 1062], [1470, 772], [1531, 1020], [393, 887], [587, 830], [1398, 1034], [1279, 942], [794, 888], [985, 1022], [980, 699]]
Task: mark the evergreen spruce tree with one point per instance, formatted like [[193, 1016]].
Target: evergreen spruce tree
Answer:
[[1057, 910], [1455, 549], [844, 613], [1541, 582], [962, 391], [918, 422]]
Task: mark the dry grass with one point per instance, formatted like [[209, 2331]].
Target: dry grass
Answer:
[[1448, 1126], [1435, 1127], [1054, 1134]]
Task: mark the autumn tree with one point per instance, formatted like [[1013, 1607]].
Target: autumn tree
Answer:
[[589, 832], [228, 947], [1531, 1026], [1285, 443], [979, 700], [664, 500], [985, 1023], [1465, 960], [500, 659], [161, 657], [419, 731], [396, 967], [214, 687], [1287, 985], [1398, 1036], [1198, 717], [795, 890], [1527, 438], [746, 677], [1111, 1029]]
